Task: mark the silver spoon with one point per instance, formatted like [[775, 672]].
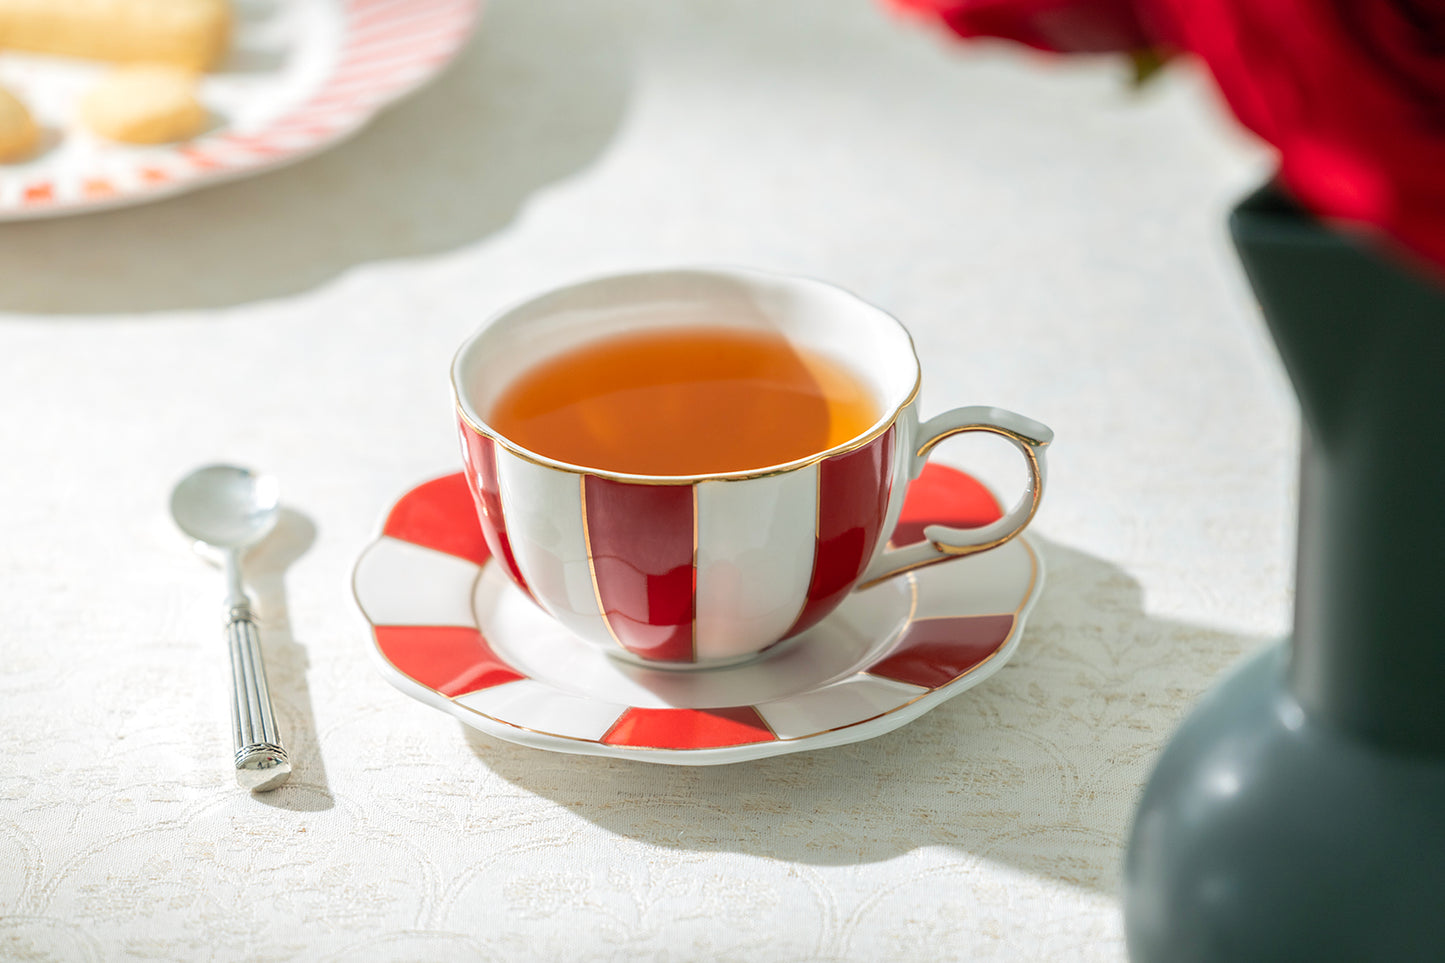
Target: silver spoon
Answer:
[[231, 509]]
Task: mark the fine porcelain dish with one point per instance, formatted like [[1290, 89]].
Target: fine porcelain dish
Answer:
[[301, 77], [449, 629]]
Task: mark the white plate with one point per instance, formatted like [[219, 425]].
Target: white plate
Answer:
[[302, 76], [451, 630]]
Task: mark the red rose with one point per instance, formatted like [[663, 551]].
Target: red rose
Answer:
[[1060, 26], [1351, 92]]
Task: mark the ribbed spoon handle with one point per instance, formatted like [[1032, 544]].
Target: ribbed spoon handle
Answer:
[[261, 760]]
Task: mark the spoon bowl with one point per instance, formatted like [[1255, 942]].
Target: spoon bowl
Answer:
[[226, 506]]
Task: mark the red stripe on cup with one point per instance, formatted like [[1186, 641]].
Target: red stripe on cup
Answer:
[[641, 542], [852, 503], [689, 728], [934, 652], [452, 660], [481, 454]]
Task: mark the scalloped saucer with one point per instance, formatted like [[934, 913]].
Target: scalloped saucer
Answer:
[[451, 630]]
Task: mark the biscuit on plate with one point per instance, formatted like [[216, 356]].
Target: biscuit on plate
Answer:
[[182, 33], [145, 105], [19, 135]]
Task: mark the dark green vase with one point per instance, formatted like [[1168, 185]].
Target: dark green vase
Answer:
[[1299, 811]]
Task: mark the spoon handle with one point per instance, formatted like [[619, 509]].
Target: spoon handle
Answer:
[[261, 760]]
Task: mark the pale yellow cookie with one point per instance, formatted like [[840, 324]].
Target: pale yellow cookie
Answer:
[[183, 33], [145, 105], [18, 134]]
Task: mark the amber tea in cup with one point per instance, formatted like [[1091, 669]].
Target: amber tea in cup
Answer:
[[684, 401]]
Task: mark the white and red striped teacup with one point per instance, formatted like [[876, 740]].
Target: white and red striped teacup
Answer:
[[707, 570]]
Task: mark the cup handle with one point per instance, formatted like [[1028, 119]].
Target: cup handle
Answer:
[[943, 542]]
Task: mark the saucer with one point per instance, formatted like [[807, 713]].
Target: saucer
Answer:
[[451, 630]]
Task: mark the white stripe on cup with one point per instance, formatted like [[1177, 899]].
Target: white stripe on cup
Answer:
[[543, 511], [755, 546]]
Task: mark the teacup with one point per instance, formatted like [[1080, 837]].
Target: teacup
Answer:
[[697, 571]]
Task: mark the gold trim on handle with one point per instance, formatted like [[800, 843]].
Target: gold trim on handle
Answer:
[[1030, 448]]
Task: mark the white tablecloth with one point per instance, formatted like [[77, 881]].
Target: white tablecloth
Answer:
[[1054, 240]]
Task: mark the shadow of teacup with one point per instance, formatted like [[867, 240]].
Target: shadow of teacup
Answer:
[[1038, 767]]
